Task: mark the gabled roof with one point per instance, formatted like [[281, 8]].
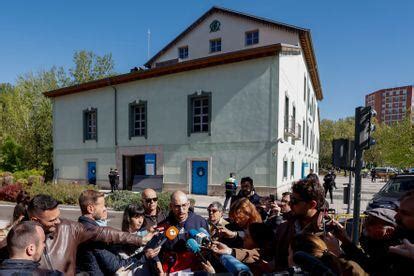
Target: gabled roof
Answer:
[[304, 37], [194, 64]]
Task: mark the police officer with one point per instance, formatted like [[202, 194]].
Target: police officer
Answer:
[[329, 184], [231, 187]]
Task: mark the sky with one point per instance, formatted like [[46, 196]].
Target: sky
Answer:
[[360, 46]]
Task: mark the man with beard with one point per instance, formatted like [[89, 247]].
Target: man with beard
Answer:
[[25, 243], [153, 213], [64, 236], [306, 202], [247, 190]]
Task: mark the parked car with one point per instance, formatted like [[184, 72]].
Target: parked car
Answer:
[[390, 193], [385, 172], [411, 170]]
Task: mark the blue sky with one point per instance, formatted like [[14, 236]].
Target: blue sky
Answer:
[[361, 46]]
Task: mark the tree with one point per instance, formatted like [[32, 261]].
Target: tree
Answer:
[[26, 115], [11, 155]]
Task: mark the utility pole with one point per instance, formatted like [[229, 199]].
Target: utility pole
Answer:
[[363, 141]]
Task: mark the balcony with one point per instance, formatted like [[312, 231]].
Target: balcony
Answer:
[[293, 129]]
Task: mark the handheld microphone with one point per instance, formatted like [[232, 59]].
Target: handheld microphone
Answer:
[[311, 264], [233, 265], [200, 237], [170, 234], [195, 248], [204, 231]]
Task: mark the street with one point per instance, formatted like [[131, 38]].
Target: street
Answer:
[[202, 202]]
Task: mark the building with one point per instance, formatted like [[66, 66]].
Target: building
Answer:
[[392, 104], [232, 93]]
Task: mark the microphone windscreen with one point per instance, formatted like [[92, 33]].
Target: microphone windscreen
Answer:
[[171, 233], [193, 233], [204, 231], [193, 246], [232, 264]]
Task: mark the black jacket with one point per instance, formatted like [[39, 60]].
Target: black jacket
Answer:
[[95, 257], [254, 199], [23, 268]]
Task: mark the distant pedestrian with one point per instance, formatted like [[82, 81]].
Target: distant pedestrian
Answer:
[[111, 177], [329, 184], [116, 179], [373, 175], [231, 188]]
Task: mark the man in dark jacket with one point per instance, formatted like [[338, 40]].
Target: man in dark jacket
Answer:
[[25, 243], [153, 214], [306, 201], [94, 257], [329, 184], [64, 236], [247, 190], [185, 220]]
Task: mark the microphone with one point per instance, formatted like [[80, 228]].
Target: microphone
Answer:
[[234, 266], [170, 234], [200, 237], [311, 264], [195, 248]]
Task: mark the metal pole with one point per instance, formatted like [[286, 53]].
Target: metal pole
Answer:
[[350, 157], [357, 189]]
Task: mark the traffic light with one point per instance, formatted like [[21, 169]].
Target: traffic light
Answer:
[[364, 127]]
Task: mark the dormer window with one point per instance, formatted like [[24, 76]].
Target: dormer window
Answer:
[[183, 52], [252, 37], [215, 45]]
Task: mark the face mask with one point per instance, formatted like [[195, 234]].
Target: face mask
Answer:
[[102, 223]]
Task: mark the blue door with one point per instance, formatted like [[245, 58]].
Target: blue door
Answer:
[[91, 173], [199, 177], [305, 169]]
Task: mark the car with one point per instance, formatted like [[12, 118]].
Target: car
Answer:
[[385, 172], [390, 193], [411, 170]]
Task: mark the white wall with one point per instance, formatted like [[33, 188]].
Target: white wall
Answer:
[[232, 34]]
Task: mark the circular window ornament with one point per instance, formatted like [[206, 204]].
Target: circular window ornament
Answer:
[[200, 171], [215, 26]]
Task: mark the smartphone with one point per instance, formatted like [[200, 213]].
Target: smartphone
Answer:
[[272, 198]]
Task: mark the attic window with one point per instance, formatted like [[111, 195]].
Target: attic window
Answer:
[[183, 52], [215, 45], [252, 37]]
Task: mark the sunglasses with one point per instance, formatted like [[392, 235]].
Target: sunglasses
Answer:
[[149, 200], [212, 211], [294, 201]]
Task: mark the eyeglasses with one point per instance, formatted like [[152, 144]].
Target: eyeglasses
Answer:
[[149, 200], [294, 201], [212, 211]]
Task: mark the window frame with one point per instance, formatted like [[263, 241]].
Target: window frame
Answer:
[[131, 109], [252, 39], [190, 114], [179, 52], [213, 41], [86, 113]]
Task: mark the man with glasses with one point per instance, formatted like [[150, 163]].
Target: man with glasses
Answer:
[[306, 201], [64, 236], [215, 217], [153, 214]]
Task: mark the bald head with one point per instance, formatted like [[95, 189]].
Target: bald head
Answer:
[[179, 205], [150, 201]]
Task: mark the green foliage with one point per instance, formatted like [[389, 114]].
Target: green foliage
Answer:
[[26, 173], [26, 115], [330, 130], [11, 155], [64, 193]]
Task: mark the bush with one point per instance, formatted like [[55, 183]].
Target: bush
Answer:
[[10, 192], [64, 193], [27, 173]]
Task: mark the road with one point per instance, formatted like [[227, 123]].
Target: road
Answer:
[[115, 218]]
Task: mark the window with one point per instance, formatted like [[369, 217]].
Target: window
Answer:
[[183, 52], [252, 37], [304, 90], [286, 113], [294, 123], [138, 119], [215, 45], [285, 168], [199, 113], [90, 124], [292, 169]]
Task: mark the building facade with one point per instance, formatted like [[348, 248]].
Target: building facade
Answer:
[[392, 104], [232, 93]]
